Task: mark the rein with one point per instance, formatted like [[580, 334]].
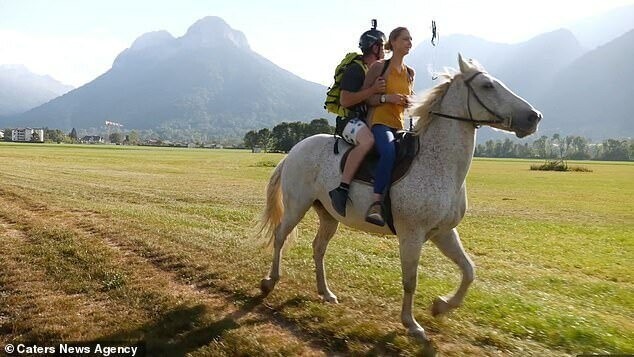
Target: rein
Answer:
[[477, 122]]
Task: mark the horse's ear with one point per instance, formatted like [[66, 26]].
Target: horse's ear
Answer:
[[464, 65]]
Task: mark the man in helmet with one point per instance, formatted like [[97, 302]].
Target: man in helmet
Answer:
[[353, 97]]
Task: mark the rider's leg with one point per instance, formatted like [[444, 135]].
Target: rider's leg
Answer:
[[358, 134], [384, 143], [365, 142]]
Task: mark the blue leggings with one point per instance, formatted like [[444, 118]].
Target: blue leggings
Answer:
[[384, 144]]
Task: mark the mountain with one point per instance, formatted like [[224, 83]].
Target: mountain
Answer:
[[208, 81], [592, 97], [603, 28], [425, 58], [524, 67], [21, 90], [527, 67]]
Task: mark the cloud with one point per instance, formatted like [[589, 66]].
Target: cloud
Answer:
[[74, 60]]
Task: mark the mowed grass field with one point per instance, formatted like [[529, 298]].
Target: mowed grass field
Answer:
[[103, 243]]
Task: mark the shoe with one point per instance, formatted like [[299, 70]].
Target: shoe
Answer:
[[375, 214], [338, 198]]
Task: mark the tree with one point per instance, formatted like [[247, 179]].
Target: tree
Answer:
[[480, 151], [614, 150], [282, 137], [116, 138], [541, 147], [489, 148], [507, 148], [579, 149], [263, 138], [319, 126], [73, 135], [35, 137], [523, 151], [250, 140], [55, 135], [132, 138], [557, 142]]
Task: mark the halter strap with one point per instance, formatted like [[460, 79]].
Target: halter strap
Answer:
[[476, 122]]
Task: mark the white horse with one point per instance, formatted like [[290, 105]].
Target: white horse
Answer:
[[427, 204]]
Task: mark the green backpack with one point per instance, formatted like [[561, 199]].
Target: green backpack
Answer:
[[332, 103]]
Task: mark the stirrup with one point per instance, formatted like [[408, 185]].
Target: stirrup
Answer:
[[375, 217]]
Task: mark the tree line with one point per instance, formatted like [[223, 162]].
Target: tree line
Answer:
[[58, 136], [285, 135], [559, 147]]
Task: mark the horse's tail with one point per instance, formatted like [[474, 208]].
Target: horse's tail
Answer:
[[274, 211]]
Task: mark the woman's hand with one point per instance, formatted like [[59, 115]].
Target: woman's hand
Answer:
[[378, 86], [398, 99]]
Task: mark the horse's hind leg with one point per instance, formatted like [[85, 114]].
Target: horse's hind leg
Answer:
[[293, 213], [327, 228], [450, 245]]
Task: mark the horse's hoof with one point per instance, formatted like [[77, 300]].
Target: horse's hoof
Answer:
[[429, 350], [419, 335], [332, 299], [428, 347], [440, 306], [267, 285]]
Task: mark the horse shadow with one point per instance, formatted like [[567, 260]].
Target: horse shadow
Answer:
[[182, 330]]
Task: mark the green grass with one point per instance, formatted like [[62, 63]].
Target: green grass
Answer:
[[115, 231]]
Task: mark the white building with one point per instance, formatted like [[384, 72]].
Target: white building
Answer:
[[92, 139], [27, 134]]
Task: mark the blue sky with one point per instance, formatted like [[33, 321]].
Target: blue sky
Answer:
[[74, 41]]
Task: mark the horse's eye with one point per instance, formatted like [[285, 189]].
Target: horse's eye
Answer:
[[487, 85]]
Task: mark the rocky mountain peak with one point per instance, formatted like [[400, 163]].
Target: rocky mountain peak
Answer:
[[152, 39], [212, 31]]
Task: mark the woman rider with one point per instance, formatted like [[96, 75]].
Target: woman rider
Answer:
[[387, 113]]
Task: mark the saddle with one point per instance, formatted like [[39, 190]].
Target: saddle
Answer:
[[406, 151]]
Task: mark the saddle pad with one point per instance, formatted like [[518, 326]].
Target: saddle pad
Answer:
[[406, 150]]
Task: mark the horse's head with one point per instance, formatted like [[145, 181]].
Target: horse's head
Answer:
[[491, 103]]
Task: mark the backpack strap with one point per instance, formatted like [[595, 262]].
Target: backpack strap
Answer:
[[385, 65], [410, 71], [410, 74], [359, 61]]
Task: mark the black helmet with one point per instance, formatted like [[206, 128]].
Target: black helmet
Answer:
[[371, 37]]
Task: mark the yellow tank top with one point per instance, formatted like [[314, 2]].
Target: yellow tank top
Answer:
[[390, 114]]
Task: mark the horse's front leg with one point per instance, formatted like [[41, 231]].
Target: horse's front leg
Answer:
[[410, 246], [450, 245]]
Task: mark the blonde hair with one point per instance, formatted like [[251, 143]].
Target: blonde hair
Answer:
[[393, 35]]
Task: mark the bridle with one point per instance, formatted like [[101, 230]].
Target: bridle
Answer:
[[476, 122]]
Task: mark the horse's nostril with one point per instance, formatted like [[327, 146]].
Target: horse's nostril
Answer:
[[534, 117]]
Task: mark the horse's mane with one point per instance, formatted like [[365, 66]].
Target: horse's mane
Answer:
[[435, 95], [429, 99]]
